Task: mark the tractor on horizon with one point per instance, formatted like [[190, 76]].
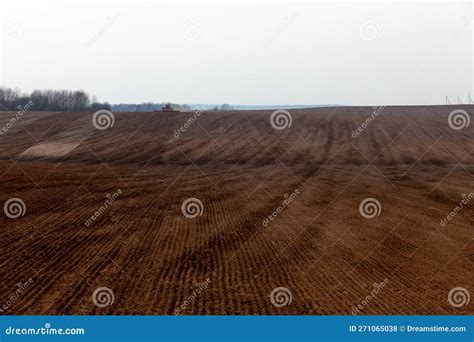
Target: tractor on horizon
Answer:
[[168, 108]]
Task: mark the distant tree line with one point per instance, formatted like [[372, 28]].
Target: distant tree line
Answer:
[[223, 107], [151, 107], [146, 107], [50, 100], [79, 101]]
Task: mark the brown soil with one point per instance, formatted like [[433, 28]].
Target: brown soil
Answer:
[[318, 246]]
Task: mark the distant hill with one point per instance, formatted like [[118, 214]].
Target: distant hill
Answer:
[[250, 107], [195, 106], [150, 107]]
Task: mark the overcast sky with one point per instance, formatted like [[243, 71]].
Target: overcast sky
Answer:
[[241, 53]]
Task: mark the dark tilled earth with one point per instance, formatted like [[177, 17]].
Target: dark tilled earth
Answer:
[[311, 177]]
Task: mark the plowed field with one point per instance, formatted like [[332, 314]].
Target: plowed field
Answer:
[[104, 208]]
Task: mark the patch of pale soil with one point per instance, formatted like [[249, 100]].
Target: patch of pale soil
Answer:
[[63, 144], [50, 150]]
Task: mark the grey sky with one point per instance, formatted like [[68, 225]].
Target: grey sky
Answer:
[[241, 53]]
